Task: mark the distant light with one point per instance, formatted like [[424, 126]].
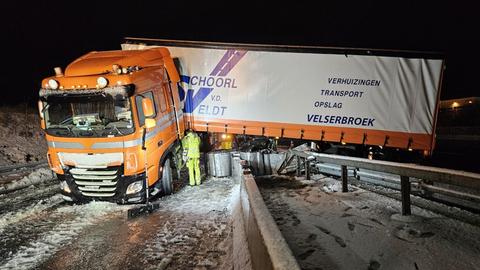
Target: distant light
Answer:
[[277, 138], [53, 84], [455, 104], [102, 82], [470, 102], [124, 70], [224, 136]]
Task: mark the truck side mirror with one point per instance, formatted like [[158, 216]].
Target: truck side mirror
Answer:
[[147, 106], [148, 112]]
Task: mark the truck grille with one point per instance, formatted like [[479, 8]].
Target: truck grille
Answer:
[[93, 182]]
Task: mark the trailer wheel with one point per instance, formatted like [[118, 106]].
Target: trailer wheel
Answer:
[[167, 178]]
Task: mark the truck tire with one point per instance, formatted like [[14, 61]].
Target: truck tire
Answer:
[[167, 177]]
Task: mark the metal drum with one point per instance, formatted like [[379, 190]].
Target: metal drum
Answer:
[[211, 163], [220, 163]]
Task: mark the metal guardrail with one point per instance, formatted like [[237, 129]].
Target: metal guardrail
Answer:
[[405, 171]]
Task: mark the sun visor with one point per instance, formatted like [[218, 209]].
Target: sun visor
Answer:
[[124, 90]]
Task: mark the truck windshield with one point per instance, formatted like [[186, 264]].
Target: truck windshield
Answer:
[[91, 116]]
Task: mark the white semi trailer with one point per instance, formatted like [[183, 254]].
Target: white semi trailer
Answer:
[[340, 95]]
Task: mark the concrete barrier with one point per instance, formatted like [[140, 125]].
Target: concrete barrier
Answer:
[[255, 230]]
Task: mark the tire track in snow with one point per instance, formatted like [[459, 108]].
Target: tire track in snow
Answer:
[[42, 237]]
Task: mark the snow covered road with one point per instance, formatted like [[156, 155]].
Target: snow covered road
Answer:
[[191, 230], [327, 229]]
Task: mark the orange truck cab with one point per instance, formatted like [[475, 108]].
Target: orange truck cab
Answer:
[[113, 122]]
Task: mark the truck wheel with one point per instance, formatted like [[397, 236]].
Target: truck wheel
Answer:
[[167, 178]]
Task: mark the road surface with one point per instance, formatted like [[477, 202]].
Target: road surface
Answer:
[[192, 230]]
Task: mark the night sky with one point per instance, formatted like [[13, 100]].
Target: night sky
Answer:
[[38, 36]]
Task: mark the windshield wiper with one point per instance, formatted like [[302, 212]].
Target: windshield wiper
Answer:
[[116, 129]]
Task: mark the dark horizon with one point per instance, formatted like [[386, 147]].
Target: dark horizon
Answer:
[[39, 36]]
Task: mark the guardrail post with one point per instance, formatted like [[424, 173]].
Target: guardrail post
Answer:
[[299, 162], [344, 179], [307, 169], [405, 190]]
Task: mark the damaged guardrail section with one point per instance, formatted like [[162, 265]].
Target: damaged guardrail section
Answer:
[[424, 174], [253, 222]]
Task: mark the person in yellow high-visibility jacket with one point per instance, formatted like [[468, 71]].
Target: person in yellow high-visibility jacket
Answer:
[[191, 147]]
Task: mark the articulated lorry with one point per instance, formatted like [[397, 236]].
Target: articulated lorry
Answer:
[[116, 117]]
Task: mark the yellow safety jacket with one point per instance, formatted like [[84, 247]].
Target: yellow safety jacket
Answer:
[[191, 143]]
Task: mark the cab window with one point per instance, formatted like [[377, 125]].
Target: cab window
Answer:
[[162, 100]]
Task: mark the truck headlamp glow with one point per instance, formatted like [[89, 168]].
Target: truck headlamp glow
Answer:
[[53, 84], [102, 82], [134, 187]]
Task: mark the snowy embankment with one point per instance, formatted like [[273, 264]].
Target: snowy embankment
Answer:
[[36, 177], [22, 139]]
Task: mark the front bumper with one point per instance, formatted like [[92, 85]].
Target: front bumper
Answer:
[[83, 190]]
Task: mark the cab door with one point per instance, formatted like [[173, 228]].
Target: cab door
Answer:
[[166, 109], [154, 139]]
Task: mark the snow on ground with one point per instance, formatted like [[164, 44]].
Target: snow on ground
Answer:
[[37, 196], [213, 195], [22, 139], [73, 219], [191, 230], [37, 176], [198, 232], [38, 206], [327, 229]]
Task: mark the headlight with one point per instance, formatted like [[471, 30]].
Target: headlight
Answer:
[[53, 84], [64, 186], [102, 82], [134, 187]]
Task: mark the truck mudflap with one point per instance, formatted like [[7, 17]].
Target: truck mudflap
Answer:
[[101, 185]]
